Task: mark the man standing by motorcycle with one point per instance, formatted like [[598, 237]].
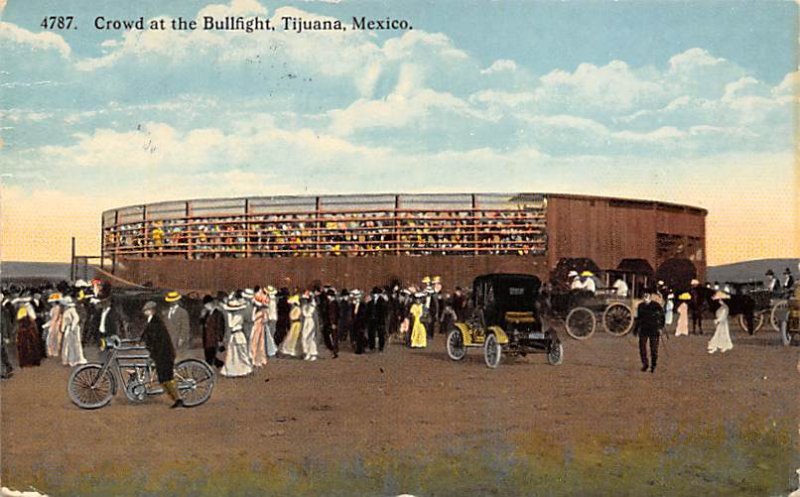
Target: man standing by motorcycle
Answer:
[[158, 342]]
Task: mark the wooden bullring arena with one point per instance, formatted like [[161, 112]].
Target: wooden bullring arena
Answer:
[[365, 240]]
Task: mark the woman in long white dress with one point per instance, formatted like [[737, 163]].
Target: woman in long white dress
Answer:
[[237, 357], [72, 351], [309, 329], [291, 345], [722, 335], [669, 310], [53, 326]]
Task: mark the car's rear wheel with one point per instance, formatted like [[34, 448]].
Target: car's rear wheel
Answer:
[[492, 351], [555, 354], [456, 350]]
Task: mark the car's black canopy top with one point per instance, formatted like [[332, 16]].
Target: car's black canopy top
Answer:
[[499, 293]]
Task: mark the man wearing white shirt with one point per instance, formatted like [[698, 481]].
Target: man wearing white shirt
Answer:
[[621, 287]]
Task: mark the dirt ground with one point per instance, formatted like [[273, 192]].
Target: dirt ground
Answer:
[[405, 401]]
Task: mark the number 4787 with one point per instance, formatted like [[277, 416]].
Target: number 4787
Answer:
[[57, 22]]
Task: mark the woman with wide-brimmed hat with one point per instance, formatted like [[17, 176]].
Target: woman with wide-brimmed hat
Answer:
[[53, 325], [419, 335], [72, 350], [722, 336], [682, 327], [258, 343], [29, 344], [237, 357], [291, 345]]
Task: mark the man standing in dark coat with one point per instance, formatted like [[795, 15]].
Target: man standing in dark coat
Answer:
[[376, 319], [330, 320], [345, 310], [158, 342], [107, 317], [358, 317], [649, 323], [696, 306], [212, 323], [283, 321]]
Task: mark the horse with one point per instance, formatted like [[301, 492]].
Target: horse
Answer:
[[740, 304]]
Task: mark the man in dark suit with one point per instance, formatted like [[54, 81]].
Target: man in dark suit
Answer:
[[158, 342], [345, 317], [376, 310], [359, 322], [107, 317], [212, 322], [649, 323], [329, 310], [696, 306]]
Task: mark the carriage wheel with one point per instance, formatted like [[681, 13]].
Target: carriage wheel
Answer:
[[618, 319], [580, 323], [195, 381], [555, 354], [758, 322], [773, 315], [88, 389], [455, 345], [492, 351]]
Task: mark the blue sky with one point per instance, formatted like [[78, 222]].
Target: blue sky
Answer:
[[681, 101]]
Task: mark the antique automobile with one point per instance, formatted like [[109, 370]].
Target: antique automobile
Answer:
[[505, 318]]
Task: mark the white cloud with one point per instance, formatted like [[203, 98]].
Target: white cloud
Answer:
[[44, 41], [500, 65]]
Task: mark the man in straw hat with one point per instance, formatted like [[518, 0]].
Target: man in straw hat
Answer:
[[176, 318], [648, 326], [159, 344]]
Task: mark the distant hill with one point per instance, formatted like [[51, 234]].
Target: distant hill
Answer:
[[750, 270], [54, 272]]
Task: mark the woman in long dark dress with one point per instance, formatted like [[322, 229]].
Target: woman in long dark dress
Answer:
[[29, 343], [158, 342]]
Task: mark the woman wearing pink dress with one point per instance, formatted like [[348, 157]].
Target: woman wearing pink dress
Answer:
[[53, 326], [258, 353], [682, 327]]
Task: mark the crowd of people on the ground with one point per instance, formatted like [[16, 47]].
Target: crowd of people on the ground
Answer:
[[335, 234], [239, 330], [245, 329]]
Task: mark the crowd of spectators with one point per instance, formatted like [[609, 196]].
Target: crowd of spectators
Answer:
[[334, 234]]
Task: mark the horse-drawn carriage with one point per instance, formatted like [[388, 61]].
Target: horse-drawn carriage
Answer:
[[582, 310], [506, 318], [753, 298]]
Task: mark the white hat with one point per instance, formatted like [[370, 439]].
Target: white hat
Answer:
[[248, 293], [234, 305], [271, 290], [572, 274], [81, 284]]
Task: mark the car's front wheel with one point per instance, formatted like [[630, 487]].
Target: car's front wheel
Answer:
[[492, 351]]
